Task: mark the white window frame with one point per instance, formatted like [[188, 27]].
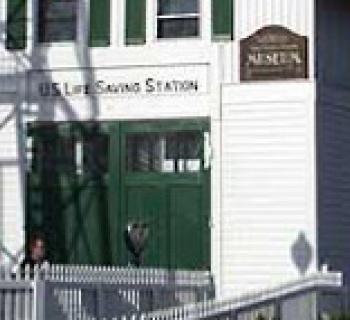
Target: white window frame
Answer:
[[198, 15]]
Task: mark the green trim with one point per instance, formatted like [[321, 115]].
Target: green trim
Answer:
[[166, 125], [16, 24], [100, 23], [222, 20], [135, 22], [114, 187]]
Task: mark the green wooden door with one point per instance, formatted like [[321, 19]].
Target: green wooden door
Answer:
[[188, 226], [164, 184], [66, 200]]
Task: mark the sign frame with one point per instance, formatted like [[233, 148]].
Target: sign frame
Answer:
[[274, 52]]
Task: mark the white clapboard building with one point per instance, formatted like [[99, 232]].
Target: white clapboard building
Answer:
[[221, 127]]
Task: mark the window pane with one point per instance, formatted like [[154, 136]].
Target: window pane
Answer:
[[183, 145], [57, 20], [61, 9], [169, 7], [178, 28], [168, 152], [59, 30], [143, 152]]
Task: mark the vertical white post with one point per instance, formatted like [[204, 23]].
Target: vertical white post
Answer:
[[32, 6], [207, 151], [151, 22], [79, 157], [29, 153], [39, 300]]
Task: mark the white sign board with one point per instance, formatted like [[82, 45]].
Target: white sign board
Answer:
[[118, 82]]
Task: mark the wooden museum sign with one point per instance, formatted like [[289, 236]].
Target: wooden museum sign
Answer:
[[274, 53]]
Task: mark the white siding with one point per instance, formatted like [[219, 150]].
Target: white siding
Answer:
[[254, 14], [268, 187], [11, 182]]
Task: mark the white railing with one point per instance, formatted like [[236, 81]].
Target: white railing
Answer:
[[236, 308]]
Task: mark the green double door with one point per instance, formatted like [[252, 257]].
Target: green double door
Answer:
[[88, 181]]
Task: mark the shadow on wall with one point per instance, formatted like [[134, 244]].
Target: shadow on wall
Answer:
[[301, 253], [23, 61]]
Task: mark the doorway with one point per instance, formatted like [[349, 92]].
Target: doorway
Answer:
[[87, 182]]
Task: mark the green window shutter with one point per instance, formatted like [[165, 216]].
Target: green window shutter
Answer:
[[100, 23], [135, 21], [16, 29], [222, 19]]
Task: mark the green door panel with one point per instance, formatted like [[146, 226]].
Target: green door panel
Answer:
[[75, 221], [187, 227], [144, 205], [60, 210], [87, 225]]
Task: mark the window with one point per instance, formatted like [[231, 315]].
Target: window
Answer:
[[172, 152], [178, 18], [57, 20]]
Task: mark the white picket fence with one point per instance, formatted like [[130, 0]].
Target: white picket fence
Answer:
[[82, 292], [16, 295], [122, 275]]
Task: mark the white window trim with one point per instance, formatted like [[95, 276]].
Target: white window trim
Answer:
[[179, 16], [82, 27], [117, 23], [198, 15]]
